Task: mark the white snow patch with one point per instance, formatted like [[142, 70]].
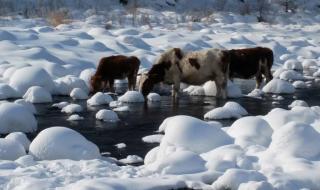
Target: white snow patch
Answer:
[[229, 110], [72, 108], [99, 98], [107, 115], [37, 94], [131, 97], [278, 86], [78, 94]]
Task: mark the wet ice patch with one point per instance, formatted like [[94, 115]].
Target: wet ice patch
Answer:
[[107, 115], [131, 97], [37, 94], [229, 110], [62, 143], [16, 118]]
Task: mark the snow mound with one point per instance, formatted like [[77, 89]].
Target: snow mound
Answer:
[[120, 145], [86, 75], [278, 86], [7, 91], [298, 103], [292, 64], [180, 129], [62, 143], [121, 108], [154, 97], [99, 98], [229, 110], [37, 94], [131, 159], [10, 149], [28, 105], [251, 131], [60, 105], [66, 84], [256, 93], [24, 78], [72, 108], [75, 117], [78, 94], [4, 35], [290, 139], [20, 138], [107, 115], [233, 178], [16, 118], [299, 84], [291, 75], [152, 138], [233, 90], [131, 97], [308, 63], [135, 42]]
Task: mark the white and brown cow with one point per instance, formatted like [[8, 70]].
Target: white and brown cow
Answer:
[[194, 68], [251, 62]]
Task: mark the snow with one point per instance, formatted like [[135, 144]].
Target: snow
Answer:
[[7, 91], [278, 86], [251, 131], [78, 94], [99, 98], [154, 97], [37, 94], [131, 159], [291, 75], [11, 149], [152, 138], [293, 64], [66, 84], [16, 118], [131, 97], [62, 143], [28, 105], [26, 77], [107, 115], [75, 117], [60, 105], [121, 108], [72, 108], [20, 138], [229, 110], [120, 145], [299, 84], [298, 103]]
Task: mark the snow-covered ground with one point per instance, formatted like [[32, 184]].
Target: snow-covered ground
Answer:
[[276, 151]]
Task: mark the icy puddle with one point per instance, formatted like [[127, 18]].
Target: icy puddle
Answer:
[[139, 120]]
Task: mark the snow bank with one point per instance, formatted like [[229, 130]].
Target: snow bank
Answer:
[[131, 97], [66, 84], [99, 98], [107, 115], [62, 143], [24, 78], [37, 94], [10, 149], [16, 118], [229, 110], [279, 86]]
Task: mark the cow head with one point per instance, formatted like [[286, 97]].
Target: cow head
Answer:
[[95, 83], [158, 71]]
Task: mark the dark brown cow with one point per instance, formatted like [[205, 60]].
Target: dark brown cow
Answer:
[[251, 62], [115, 67], [194, 68]]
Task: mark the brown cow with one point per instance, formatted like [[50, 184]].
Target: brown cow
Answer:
[[251, 62], [195, 68], [115, 67]]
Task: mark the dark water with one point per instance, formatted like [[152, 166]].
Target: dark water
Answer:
[[143, 120]]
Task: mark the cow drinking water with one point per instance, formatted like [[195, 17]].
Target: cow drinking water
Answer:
[[194, 68], [251, 62], [115, 67]]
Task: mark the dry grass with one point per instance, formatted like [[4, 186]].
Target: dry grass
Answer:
[[58, 17]]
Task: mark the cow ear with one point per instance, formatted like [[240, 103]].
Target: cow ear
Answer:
[[178, 52]]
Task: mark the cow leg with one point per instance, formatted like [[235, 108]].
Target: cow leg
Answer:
[[111, 85], [258, 80], [176, 89], [221, 83]]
